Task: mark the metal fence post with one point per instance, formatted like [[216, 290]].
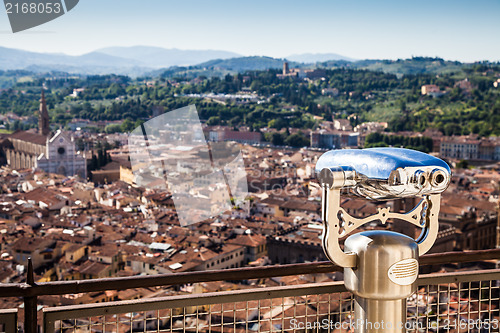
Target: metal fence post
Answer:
[[30, 303]]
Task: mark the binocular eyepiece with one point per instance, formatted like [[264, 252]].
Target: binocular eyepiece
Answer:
[[436, 178], [383, 173]]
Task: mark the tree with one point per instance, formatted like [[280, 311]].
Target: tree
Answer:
[[277, 123], [463, 164], [93, 164], [452, 129], [297, 140], [113, 128], [127, 125], [276, 138], [213, 121]]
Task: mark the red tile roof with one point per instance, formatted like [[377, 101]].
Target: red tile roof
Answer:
[[29, 137]]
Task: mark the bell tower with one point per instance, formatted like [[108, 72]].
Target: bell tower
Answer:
[[43, 117]]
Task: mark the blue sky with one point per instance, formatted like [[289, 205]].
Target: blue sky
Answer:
[[390, 29]]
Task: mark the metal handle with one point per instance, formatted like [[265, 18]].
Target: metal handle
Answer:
[[338, 223]]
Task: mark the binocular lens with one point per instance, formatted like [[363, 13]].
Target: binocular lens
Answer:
[[438, 177], [420, 179]]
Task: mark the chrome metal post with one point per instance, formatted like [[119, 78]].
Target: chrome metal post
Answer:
[[379, 315], [384, 277]]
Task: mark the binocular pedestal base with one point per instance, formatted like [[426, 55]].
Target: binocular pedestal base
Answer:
[[385, 275], [377, 316]]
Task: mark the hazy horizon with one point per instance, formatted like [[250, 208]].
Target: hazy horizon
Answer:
[[255, 55]]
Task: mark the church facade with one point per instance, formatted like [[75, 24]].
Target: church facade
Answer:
[[61, 157], [41, 150]]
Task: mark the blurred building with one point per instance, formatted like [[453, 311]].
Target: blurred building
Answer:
[[334, 139], [470, 148]]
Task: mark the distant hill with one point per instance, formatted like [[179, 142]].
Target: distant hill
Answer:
[[310, 58], [415, 65], [19, 59], [90, 63], [221, 67], [243, 63], [154, 61], [159, 57], [131, 61]]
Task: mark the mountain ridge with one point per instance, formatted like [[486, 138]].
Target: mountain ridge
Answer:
[[311, 58], [161, 57], [131, 61], [140, 60]]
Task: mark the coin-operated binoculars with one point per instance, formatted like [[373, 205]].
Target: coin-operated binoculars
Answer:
[[380, 267]]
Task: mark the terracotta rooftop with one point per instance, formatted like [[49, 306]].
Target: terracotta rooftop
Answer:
[[92, 268], [248, 240], [45, 195], [29, 137], [31, 244]]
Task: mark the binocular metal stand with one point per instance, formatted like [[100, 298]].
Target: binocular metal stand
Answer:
[[380, 267]]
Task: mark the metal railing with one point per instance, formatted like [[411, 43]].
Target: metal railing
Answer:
[[265, 309], [465, 302], [260, 309]]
